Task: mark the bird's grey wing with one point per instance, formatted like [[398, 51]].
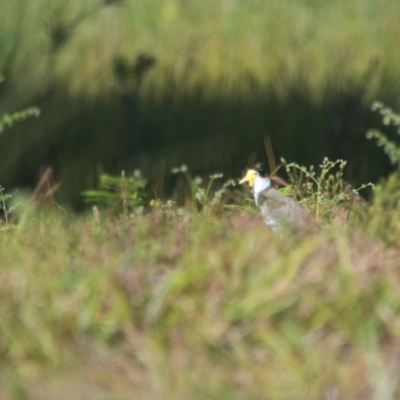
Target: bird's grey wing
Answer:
[[272, 207], [277, 209]]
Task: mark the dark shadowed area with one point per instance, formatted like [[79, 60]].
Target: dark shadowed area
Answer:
[[152, 85]]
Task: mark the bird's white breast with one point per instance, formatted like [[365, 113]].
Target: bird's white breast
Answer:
[[260, 184]]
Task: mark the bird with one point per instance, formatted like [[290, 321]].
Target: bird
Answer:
[[277, 210]]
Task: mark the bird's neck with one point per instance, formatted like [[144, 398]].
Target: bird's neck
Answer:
[[260, 184]]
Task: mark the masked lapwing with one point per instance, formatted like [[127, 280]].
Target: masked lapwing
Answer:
[[277, 210]]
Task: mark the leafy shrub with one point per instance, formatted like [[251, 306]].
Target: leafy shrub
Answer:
[[122, 193], [6, 121], [202, 197], [323, 192], [384, 213], [389, 117]]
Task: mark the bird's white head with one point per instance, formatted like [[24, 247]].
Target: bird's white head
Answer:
[[250, 177]]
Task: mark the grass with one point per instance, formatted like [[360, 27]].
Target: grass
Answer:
[[197, 303], [202, 41]]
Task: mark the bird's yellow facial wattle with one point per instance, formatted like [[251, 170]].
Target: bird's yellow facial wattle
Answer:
[[249, 178]]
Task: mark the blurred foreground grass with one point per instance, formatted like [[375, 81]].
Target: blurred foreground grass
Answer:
[[178, 304]]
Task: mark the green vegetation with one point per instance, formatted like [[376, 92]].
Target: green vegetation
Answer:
[[391, 148], [148, 299], [122, 193], [7, 120], [202, 41], [3, 207], [322, 191]]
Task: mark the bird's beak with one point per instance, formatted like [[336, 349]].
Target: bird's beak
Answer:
[[249, 178]]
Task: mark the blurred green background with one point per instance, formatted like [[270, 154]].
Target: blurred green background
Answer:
[[151, 84]]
